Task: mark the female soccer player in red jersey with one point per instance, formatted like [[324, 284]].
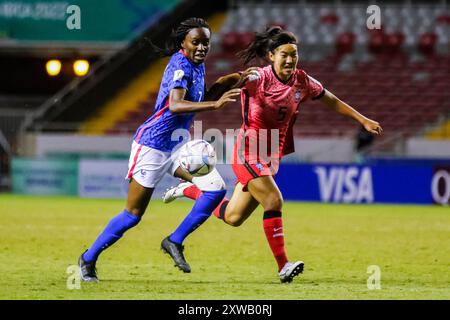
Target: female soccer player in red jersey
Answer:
[[270, 105]]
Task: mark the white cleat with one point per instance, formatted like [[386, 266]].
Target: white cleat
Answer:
[[175, 192], [290, 271]]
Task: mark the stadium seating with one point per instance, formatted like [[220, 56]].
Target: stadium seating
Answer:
[[393, 75], [321, 23]]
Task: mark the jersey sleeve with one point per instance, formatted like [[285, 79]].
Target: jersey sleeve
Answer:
[[180, 75], [315, 88]]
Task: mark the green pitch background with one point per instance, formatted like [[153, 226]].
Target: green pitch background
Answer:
[[40, 237]]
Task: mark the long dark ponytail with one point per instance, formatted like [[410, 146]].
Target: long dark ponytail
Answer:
[[266, 42], [173, 43]]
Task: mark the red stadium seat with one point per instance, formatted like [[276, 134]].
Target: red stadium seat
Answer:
[[245, 39], [235, 41], [376, 43], [345, 43], [393, 42], [427, 43], [330, 18], [443, 19], [230, 42]]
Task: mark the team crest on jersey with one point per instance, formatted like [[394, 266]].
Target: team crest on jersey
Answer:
[[178, 75], [259, 166], [297, 96]]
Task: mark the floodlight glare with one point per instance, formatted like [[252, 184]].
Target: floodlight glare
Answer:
[[81, 67], [53, 67]]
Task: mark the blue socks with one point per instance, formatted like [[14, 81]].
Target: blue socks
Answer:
[[200, 212], [115, 229], [113, 232]]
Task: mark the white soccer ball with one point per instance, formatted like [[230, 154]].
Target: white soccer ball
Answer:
[[197, 157]]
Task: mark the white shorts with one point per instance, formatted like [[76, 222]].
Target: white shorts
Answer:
[[147, 165]]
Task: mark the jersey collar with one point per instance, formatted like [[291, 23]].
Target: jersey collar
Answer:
[[183, 52], [282, 81], [185, 55]]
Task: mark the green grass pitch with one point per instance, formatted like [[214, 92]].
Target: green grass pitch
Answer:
[[42, 236]]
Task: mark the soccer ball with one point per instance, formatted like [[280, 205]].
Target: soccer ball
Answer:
[[197, 157]]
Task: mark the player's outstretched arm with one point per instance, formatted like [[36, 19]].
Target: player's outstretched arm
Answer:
[[222, 85], [230, 81], [177, 103], [343, 108]]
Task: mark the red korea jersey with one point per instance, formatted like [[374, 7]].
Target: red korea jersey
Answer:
[[269, 103]]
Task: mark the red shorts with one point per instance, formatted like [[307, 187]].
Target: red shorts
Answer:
[[246, 169]]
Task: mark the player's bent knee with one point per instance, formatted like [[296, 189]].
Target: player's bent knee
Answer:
[[234, 221], [273, 202], [138, 212], [233, 217]]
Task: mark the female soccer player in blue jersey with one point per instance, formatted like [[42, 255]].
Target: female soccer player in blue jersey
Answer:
[[181, 95]]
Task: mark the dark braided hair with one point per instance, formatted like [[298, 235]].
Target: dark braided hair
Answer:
[[173, 43], [266, 42]]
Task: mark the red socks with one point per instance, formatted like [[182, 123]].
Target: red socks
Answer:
[[219, 211], [272, 223], [192, 192], [273, 228]]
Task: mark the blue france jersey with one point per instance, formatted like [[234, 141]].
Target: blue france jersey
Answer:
[[157, 131]]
